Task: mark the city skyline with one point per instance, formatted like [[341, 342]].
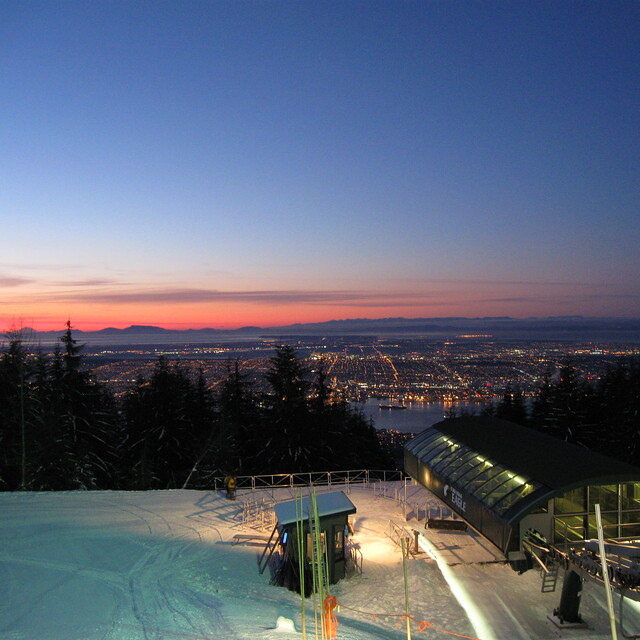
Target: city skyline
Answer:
[[225, 164]]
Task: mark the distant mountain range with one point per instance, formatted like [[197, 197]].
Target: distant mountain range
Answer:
[[506, 328]]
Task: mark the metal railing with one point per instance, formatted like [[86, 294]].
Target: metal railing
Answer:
[[312, 478], [567, 535], [258, 514], [396, 533], [353, 560]]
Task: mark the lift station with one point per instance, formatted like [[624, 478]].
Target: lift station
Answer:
[[538, 500]]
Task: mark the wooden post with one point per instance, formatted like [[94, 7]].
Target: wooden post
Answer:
[[406, 586]]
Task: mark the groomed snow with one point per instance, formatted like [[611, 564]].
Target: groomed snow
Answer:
[[163, 565]]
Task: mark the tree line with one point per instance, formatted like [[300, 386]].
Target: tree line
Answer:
[[601, 415], [60, 429]]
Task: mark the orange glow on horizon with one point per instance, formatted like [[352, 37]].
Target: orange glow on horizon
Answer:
[[191, 317], [235, 314]]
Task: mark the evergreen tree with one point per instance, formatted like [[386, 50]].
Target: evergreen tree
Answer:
[[77, 421], [72, 352], [137, 443], [455, 411], [541, 406], [344, 438], [355, 440], [321, 391], [564, 408], [205, 431], [289, 442], [237, 447], [168, 423], [616, 412], [512, 406], [488, 410], [15, 414]]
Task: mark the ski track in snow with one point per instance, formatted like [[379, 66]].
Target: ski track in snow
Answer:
[[162, 566], [152, 598], [146, 589]]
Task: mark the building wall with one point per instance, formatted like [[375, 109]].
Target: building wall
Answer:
[[480, 517]]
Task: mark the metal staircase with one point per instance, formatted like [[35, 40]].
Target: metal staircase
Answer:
[[269, 548], [550, 578]]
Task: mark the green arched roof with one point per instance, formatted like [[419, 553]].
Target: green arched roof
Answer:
[[554, 463]]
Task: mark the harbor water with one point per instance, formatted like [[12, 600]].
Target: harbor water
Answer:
[[416, 417]]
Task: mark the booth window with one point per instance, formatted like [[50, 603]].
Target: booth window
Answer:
[[338, 541], [569, 529], [609, 525], [310, 545]]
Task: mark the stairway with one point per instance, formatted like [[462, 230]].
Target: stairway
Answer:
[[550, 578], [269, 548]]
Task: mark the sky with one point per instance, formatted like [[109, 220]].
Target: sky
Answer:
[[220, 164]]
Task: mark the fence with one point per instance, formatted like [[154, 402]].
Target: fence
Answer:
[[312, 478], [354, 561], [396, 533], [258, 514], [416, 505]]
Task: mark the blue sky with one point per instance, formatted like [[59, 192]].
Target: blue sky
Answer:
[[233, 163]]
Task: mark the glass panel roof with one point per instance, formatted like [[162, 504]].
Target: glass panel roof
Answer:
[[417, 448], [428, 444], [435, 448], [484, 465], [447, 454], [477, 482], [492, 485], [518, 492], [455, 459], [468, 461], [417, 442], [489, 482]]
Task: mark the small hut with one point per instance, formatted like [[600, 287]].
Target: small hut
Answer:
[[333, 526]]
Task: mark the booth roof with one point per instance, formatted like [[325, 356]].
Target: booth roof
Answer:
[[329, 504]]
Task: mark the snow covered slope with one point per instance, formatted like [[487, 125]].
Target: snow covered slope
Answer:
[[163, 565]]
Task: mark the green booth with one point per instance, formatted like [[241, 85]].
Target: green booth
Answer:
[[293, 516]]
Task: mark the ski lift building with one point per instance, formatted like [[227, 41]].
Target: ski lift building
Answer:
[[504, 480]]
